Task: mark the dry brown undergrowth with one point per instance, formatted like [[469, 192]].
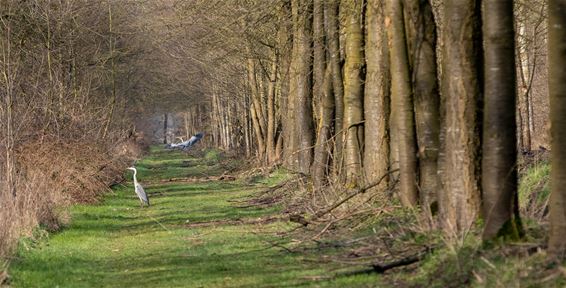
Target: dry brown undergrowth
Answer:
[[53, 173]]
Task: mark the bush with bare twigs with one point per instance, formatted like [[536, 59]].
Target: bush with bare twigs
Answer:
[[54, 173], [61, 140]]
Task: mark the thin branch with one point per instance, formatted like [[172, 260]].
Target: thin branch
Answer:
[[356, 192]]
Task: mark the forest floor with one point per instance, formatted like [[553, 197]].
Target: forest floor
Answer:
[[212, 225], [195, 234]]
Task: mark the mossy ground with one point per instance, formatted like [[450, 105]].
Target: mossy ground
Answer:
[[191, 236]]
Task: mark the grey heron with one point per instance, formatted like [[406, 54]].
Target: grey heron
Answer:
[[139, 189], [186, 144]]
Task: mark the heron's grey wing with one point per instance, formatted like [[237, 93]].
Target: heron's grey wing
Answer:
[[141, 193], [192, 141]]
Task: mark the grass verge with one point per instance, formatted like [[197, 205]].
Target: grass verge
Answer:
[[191, 236]]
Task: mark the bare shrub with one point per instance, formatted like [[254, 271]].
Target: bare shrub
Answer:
[[64, 129]]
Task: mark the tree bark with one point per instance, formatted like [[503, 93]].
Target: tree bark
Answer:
[[257, 114], [258, 133], [323, 149], [461, 89], [270, 134], [333, 40], [284, 95], [319, 61], [523, 69], [376, 97], [402, 103], [246, 122], [499, 161], [300, 86], [353, 101], [426, 98], [557, 93]]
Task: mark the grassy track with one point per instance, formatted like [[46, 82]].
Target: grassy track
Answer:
[[191, 236]]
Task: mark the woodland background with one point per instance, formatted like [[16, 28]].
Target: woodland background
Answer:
[[384, 104]]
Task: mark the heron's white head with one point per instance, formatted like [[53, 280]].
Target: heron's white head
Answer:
[[132, 168]]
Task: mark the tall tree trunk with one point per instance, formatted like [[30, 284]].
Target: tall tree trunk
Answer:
[[426, 98], [402, 103], [557, 91], [257, 109], [393, 140], [376, 97], [229, 124], [319, 61], [258, 134], [353, 101], [323, 149], [333, 39], [270, 135], [461, 89], [499, 152], [523, 69], [246, 124], [285, 97], [300, 88], [217, 115]]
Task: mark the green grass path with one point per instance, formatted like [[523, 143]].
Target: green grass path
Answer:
[[191, 236]]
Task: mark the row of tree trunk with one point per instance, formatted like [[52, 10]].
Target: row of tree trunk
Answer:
[[361, 89]]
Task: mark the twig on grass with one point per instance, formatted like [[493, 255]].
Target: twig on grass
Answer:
[[381, 268]]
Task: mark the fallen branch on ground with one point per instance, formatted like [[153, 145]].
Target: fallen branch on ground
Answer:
[[382, 268]]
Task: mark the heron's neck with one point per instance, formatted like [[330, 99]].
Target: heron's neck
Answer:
[[135, 172]]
